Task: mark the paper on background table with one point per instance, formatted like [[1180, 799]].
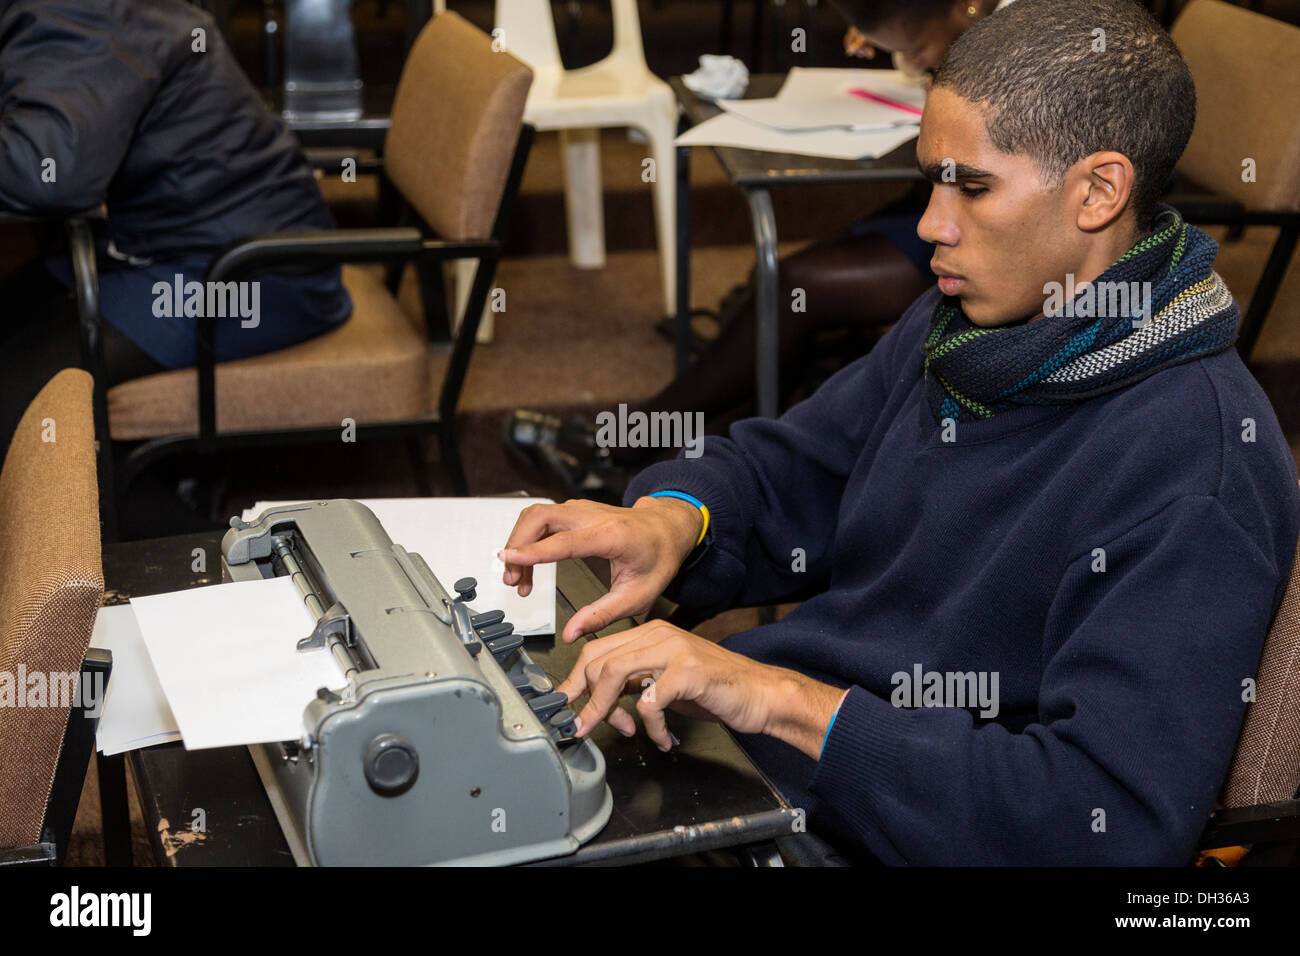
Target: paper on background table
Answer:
[[846, 113], [806, 83], [727, 129], [460, 537], [135, 712], [227, 659]]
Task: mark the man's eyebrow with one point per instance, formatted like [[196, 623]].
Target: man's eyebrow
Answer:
[[935, 172]]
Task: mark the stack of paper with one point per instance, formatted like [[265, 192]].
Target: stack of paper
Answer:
[[837, 114], [135, 712]]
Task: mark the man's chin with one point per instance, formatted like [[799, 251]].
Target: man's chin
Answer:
[[985, 315]]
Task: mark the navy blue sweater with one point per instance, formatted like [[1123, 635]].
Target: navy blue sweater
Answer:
[[1115, 562]]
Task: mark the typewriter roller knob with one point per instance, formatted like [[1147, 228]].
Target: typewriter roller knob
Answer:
[[391, 765], [465, 587]]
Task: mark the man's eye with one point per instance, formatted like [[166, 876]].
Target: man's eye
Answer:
[[971, 192]]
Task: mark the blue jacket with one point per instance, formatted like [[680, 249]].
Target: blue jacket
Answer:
[[1114, 564], [176, 142]]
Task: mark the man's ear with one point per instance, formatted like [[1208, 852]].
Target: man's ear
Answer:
[[1103, 183]]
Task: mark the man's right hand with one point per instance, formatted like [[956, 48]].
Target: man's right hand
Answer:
[[645, 544]]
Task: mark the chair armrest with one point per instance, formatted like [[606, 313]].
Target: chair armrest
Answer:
[[324, 247], [1262, 823], [319, 247]]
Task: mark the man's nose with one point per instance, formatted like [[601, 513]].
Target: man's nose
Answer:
[[937, 224]]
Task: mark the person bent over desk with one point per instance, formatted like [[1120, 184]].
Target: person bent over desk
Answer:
[[140, 106]]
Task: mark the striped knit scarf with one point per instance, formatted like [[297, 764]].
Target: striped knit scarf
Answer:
[[1092, 344]]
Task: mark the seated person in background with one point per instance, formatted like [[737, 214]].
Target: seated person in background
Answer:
[[140, 106], [862, 278], [1039, 531]]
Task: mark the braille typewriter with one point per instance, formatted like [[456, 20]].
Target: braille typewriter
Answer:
[[445, 743]]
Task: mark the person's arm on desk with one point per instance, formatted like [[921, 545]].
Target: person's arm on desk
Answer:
[[772, 489], [646, 545], [672, 668]]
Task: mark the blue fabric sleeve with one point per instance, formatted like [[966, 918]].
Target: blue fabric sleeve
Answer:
[[773, 488]]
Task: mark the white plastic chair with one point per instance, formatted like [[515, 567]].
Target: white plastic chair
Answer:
[[618, 91]]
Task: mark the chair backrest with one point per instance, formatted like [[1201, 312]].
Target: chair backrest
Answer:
[[456, 120], [528, 29], [1246, 109], [529, 32], [628, 45], [51, 583], [1266, 766]]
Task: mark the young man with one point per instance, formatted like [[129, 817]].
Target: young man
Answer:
[[1076, 509]]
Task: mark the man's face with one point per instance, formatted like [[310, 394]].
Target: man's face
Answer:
[[1000, 232]]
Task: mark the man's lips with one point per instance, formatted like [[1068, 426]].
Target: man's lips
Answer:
[[949, 283]]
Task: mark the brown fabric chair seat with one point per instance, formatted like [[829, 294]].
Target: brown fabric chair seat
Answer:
[[375, 367]]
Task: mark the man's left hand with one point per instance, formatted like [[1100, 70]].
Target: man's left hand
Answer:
[[674, 668]]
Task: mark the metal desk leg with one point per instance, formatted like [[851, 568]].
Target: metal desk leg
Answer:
[[115, 809], [683, 258], [768, 360]]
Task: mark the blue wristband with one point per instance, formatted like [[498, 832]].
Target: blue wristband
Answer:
[[679, 494], [829, 726], [691, 500]]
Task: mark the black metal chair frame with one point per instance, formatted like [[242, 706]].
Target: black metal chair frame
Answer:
[[69, 776]]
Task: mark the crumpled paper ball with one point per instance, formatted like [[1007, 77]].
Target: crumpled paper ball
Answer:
[[718, 78]]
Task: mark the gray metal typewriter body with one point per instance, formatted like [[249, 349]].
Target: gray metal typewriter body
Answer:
[[446, 744]]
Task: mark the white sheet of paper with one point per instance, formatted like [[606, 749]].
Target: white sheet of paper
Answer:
[[226, 657], [804, 83], [459, 537], [793, 114], [135, 712], [727, 129]]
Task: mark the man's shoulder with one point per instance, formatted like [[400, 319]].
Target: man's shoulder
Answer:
[[1201, 428], [1205, 406]]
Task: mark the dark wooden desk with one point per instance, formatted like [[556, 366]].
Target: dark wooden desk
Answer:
[[705, 795], [754, 173]]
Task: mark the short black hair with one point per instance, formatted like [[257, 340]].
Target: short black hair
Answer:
[[868, 15], [1052, 86]]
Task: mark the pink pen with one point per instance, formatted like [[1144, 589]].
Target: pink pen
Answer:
[[884, 100]]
